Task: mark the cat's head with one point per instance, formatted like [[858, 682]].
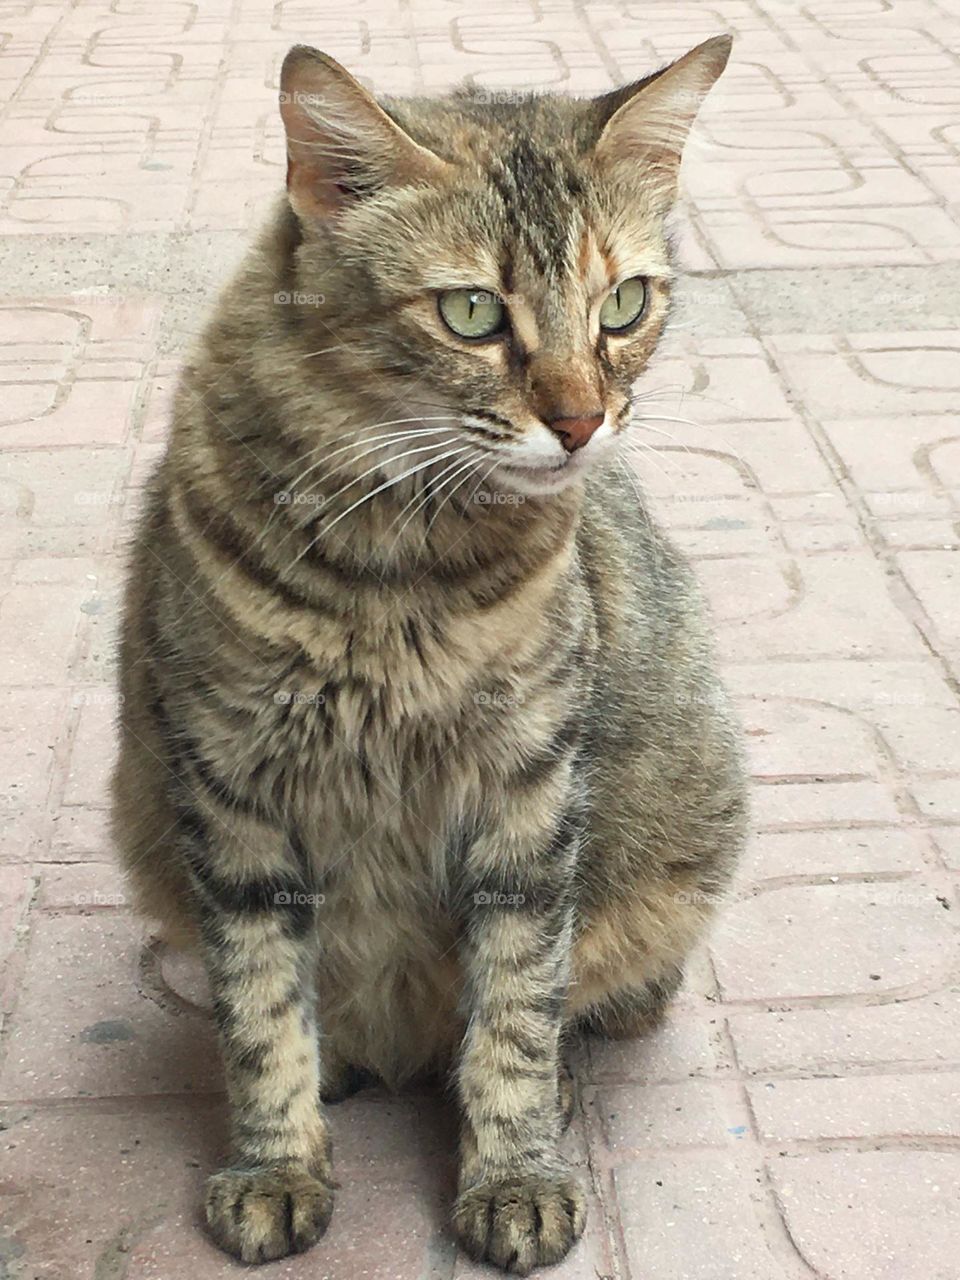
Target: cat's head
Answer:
[[498, 258]]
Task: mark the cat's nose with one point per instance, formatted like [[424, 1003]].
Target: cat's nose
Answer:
[[575, 432]]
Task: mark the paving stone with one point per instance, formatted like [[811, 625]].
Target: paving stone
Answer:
[[827, 940], [52, 616], [821, 804], [776, 854], [17, 885], [938, 798], [681, 1046], [29, 727], [828, 606], [696, 1113], [923, 1031], [696, 1215], [856, 1107], [933, 575], [948, 842], [78, 886], [91, 758], [871, 1215], [109, 1037]]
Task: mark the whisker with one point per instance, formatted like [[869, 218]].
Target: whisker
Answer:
[[392, 423], [688, 422], [388, 484], [483, 478], [639, 449], [429, 489], [471, 466], [387, 439]]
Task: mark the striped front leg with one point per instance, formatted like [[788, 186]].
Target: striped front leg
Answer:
[[258, 924], [518, 1205]]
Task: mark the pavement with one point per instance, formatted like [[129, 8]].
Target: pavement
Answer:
[[798, 1117]]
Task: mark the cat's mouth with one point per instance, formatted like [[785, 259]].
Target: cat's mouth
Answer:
[[536, 477], [541, 478]]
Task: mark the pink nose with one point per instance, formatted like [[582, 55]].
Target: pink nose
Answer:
[[575, 432]]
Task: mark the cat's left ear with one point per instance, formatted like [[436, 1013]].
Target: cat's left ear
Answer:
[[341, 143], [644, 126]]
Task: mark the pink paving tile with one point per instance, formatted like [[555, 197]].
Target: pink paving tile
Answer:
[[681, 1047], [52, 616], [828, 605], [636, 1118], [704, 1215], [868, 1215], [862, 375], [855, 852], [892, 1036], [110, 1036], [807, 942], [30, 723], [896, 235], [803, 1110]]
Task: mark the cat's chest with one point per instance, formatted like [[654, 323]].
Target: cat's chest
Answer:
[[404, 697], [415, 715]]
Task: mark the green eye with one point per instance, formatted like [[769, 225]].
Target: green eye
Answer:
[[472, 313], [624, 306]]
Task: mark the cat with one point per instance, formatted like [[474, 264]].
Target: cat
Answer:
[[422, 746]]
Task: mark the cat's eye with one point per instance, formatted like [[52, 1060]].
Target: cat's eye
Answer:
[[624, 306], [472, 313]]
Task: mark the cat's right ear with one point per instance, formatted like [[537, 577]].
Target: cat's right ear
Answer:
[[341, 144], [645, 124]]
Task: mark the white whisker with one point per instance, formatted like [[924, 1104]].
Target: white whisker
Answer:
[[388, 484], [429, 489], [472, 466]]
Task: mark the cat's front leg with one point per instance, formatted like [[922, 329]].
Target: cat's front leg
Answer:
[[258, 925], [518, 1204]]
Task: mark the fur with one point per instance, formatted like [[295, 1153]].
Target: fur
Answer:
[[423, 750]]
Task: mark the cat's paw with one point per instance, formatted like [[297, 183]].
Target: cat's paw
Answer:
[[262, 1214], [520, 1223]]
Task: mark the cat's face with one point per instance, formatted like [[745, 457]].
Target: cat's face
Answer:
[[504, 266]]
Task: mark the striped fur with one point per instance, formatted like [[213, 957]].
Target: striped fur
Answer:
[[434, 770]]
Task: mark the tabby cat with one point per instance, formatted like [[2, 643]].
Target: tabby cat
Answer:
[[421, 741]]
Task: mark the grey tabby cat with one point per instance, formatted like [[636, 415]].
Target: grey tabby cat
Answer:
[[422, 745]]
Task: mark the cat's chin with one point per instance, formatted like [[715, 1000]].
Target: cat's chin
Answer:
[[536, 482]]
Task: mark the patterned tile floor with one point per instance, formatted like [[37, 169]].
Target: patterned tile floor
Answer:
[[799, 1115]]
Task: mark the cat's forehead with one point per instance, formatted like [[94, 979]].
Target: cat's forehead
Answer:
[[542, 202], [521, 210], [534, 220]]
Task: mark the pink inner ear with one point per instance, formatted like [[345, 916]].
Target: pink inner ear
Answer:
[[331, 161], [312, 192]]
